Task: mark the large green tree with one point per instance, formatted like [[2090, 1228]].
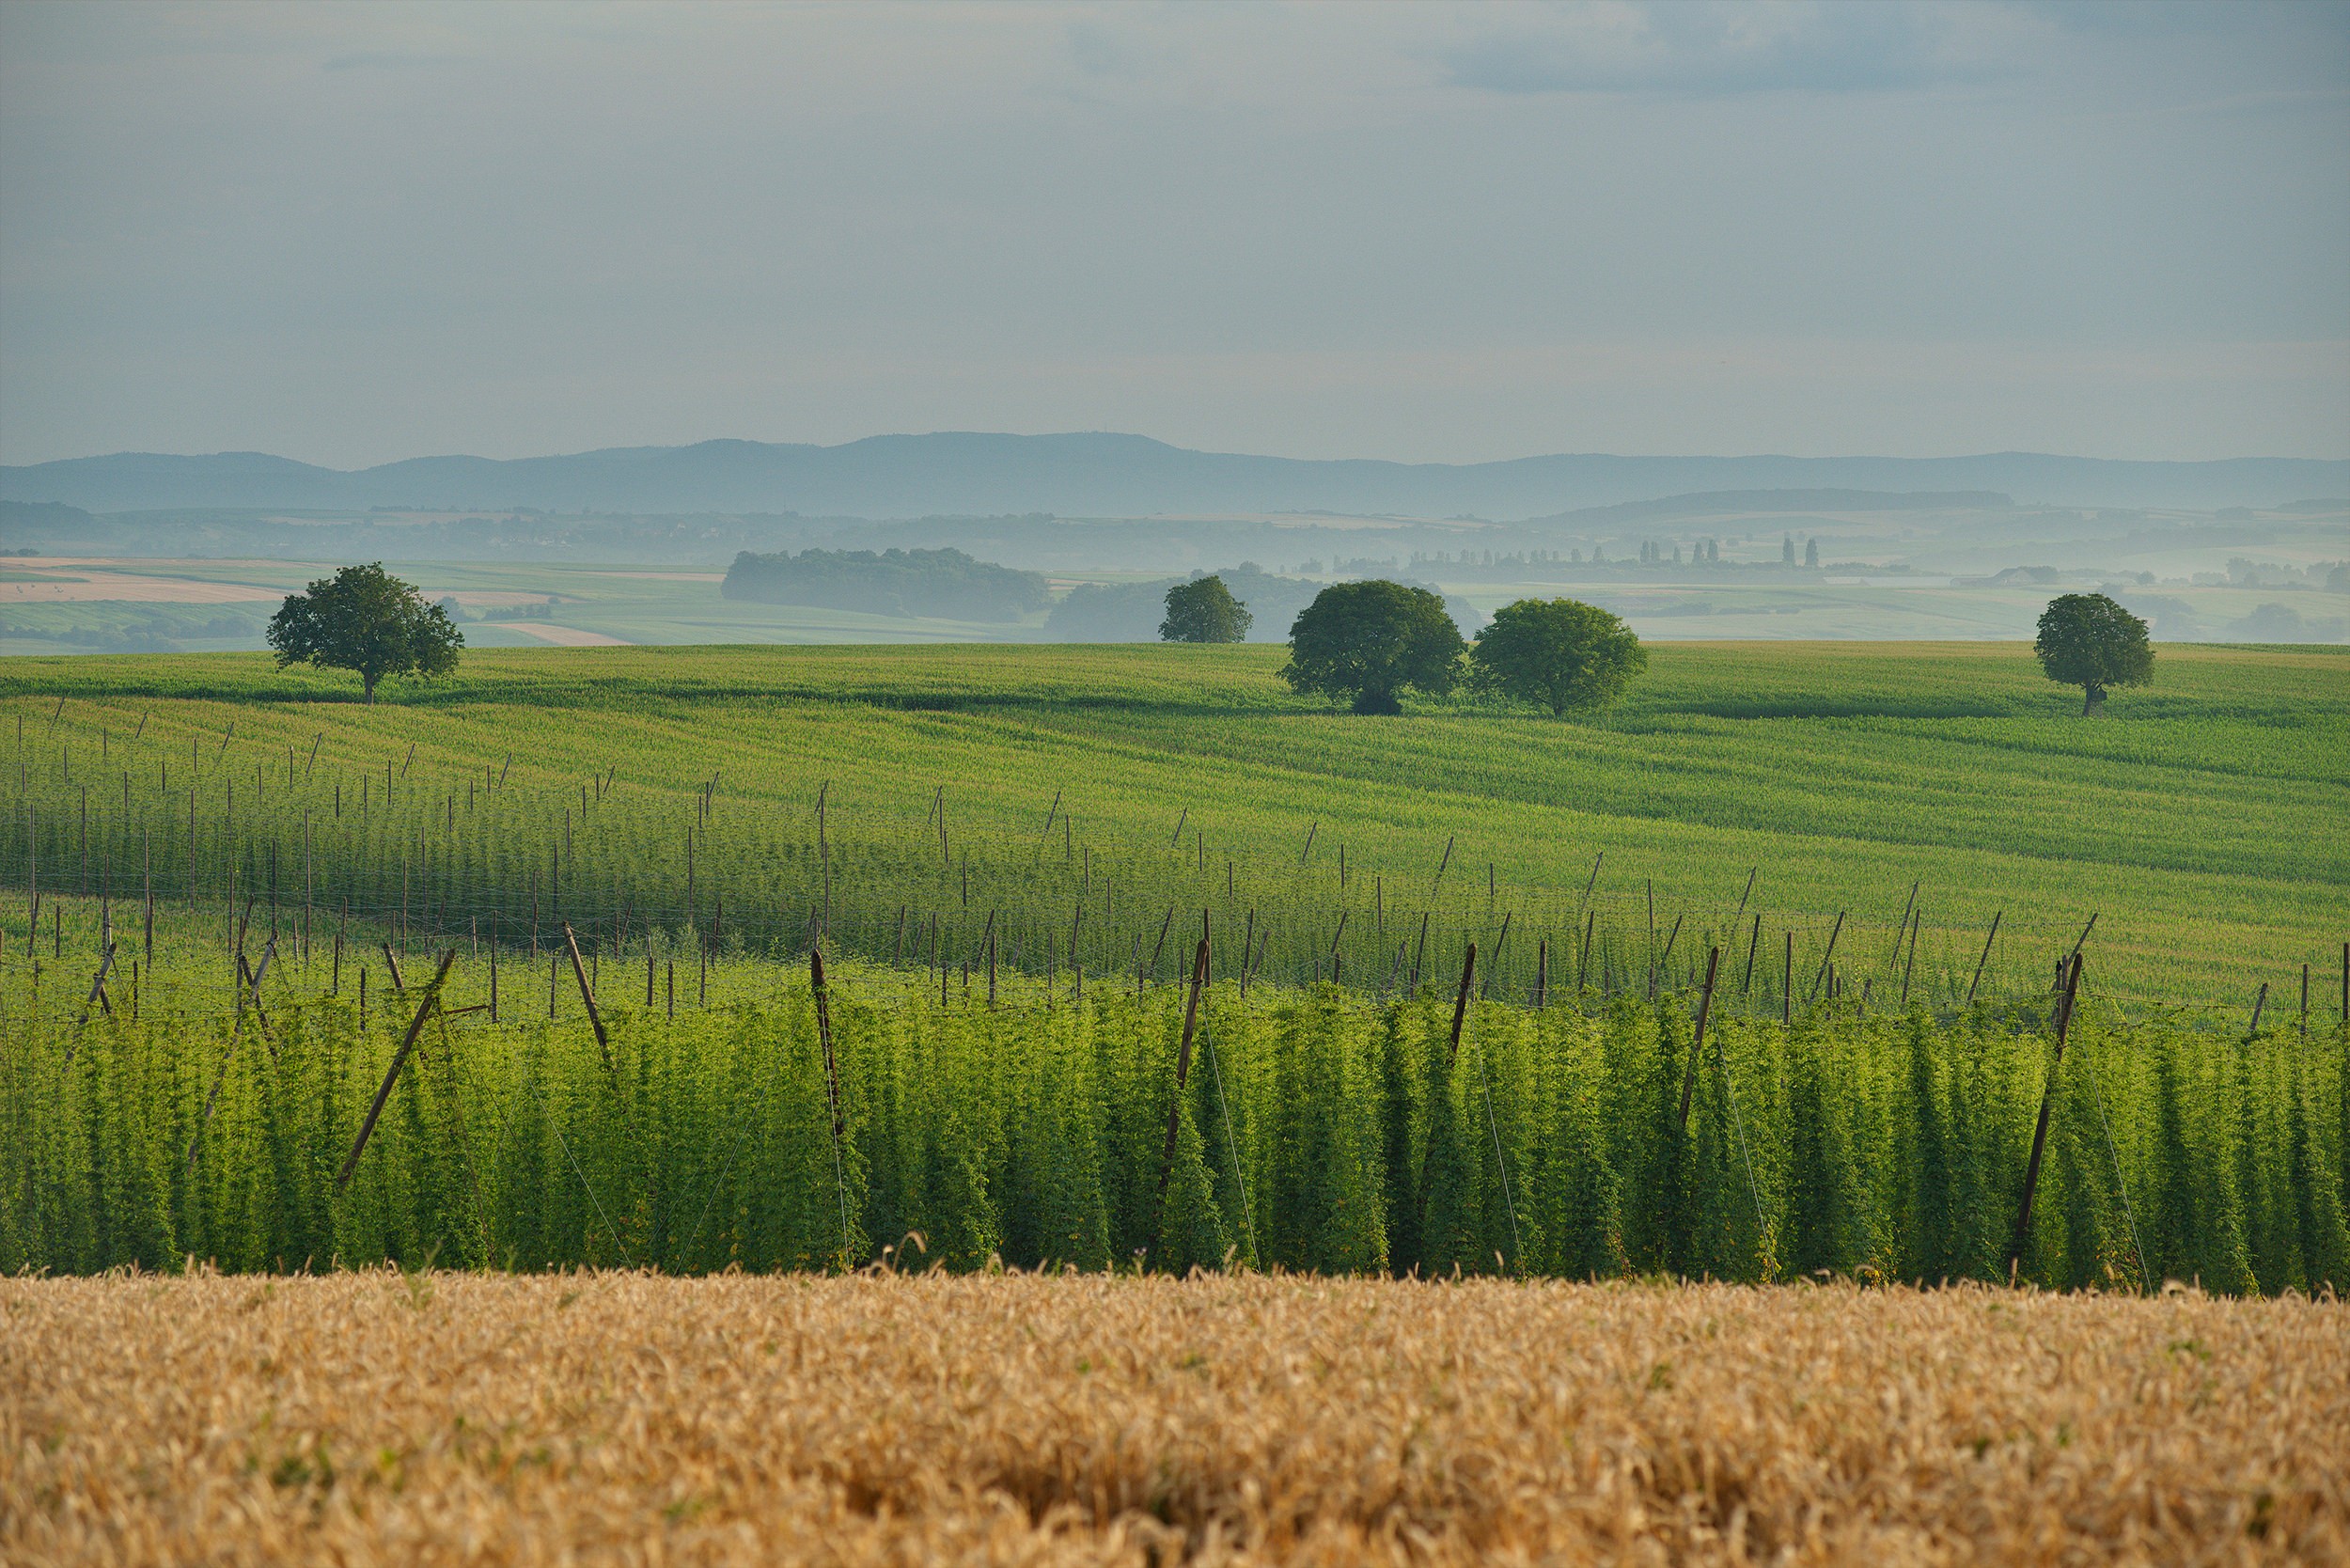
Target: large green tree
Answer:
[[366, 620], [1370, 642], [1564, 654], [1204, 611], [2087, 640]]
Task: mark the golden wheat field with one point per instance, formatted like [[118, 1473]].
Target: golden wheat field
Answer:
[[377, 1417]]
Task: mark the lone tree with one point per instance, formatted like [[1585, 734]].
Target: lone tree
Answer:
[[363, 619], [1563, 654], [1203, 611], [1370, 641], [2087, 640]]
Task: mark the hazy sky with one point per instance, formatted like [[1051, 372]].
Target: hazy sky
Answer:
[[354, 233]]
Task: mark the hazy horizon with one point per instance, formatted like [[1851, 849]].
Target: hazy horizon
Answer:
[[357, 234]]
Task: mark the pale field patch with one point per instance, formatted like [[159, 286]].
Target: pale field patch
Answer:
[[562, 636], [372, 1418]]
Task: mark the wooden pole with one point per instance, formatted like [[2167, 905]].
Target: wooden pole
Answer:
[[588, 997], [415, 1026], [2040, 1131], [1912, 962], [1459, 1002], [1987, 940], [832, 1088], [1753, 943], [1697, 1044], [2258, 1002], [1826, 957], [1183, 1073]]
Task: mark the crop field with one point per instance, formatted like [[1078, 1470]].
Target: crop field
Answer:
[[1844, 794], [379, 1417], [976, 1118]]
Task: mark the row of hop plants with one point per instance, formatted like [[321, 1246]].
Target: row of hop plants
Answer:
[[1317, 1130], [429, 853]]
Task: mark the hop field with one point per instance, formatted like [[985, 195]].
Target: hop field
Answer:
[[973, 1120], [380, 1418], [1071, 798]]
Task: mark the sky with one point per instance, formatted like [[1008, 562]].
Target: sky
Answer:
[[356, 233]]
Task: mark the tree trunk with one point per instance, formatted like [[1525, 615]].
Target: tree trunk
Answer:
[[368, 682], [2093, 700]]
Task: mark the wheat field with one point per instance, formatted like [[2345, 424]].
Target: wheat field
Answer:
[[382, 1417]]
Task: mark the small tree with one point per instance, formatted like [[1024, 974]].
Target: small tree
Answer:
[[1370, 641], [2087, 640], [364, 620], [1566, 656], [1204, 611]]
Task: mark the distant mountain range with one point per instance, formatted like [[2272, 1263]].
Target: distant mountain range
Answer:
[[1110, 476]]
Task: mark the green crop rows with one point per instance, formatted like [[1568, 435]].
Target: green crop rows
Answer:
[[1317, 1130], [1879, 854], [677, 790]]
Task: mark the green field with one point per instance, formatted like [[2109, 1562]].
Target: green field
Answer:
[[1040, 1125], [2200, 821]]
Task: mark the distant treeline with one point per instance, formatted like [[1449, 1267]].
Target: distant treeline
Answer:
[[944, 584]]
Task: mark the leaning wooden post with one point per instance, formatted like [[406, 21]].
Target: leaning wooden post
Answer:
[[1705, 1006], [588, 997], [1824, 958], [1460, 1003], [1182, 1072], [2040, 1133], [1787, 983], [2258, 1002], [1985, 958], [400, 1057], [823, 1036]]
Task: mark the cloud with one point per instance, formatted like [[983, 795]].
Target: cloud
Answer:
[[1723, 48]]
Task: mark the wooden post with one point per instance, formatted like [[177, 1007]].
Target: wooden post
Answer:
[[1986, 956], [1583, 962], [2040, 1133], [494, 978], [1787, 984], [1441, 864], [1902, 930], [1754, 943], [2258, 1002], [1826, 957], [1542, 972], [1459, 1002], [824, 1035], [1182, 1072], [588, 997], [415, 1026], [1912, 962], [1697, 1044]]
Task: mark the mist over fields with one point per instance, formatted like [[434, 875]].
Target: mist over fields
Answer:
[[540, 550]]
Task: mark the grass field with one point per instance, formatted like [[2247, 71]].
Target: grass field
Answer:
[[376, 1417], [2201, 822]]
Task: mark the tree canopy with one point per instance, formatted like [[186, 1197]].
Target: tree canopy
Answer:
[[1371, 641], [369, 621], [2087, 640], [1566, 656], [1204, 611]]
